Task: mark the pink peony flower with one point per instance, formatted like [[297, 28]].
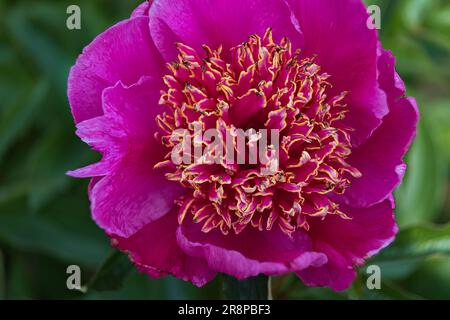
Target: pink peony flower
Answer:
[[310, 69]]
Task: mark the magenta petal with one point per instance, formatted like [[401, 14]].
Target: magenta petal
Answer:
[[105, 135], [250, 253], [142, 9], [131, 194], [124, 52], [388, 77], [336, 274], [247, 107], [380, 158], [336, 31], [348, 242], [215, 23], [131, 197], [155, 251], [127, 125], [92, 183]]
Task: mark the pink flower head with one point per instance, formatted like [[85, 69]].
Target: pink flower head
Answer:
[[311, 71]]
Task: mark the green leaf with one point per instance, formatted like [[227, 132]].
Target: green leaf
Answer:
[[47, 163], [432, 278], [255, 288], [439, 115], [19, 283], [112, 273], [397, 269], [420, 196], [389, 291], [417, 242], [414, 11], [138, 285], [37, 47], [45, 235], [20, 114]]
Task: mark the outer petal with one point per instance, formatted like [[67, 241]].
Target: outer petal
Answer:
[[142, 9], [128, 125], [131, 194], [336, 31], [251, 252], [216, 22], [155, 251], [388, 78], [124, 52], [380, 158], [107, 136], [348, 242]]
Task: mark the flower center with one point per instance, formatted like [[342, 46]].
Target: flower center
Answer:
[[258, 85]]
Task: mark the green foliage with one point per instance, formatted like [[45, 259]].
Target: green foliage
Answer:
[[417, 242], [45, 223], [421, 195], [111, 274], [255, 288]]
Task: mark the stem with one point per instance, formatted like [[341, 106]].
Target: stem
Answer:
[[256, 288]]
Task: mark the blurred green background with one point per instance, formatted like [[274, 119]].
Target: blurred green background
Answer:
[[45, 223]]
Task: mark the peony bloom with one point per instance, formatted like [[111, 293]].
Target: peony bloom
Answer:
[[310, 69]]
